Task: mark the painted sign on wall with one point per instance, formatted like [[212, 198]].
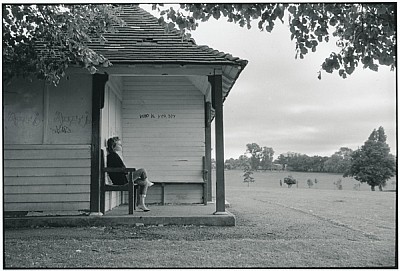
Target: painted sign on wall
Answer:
[[156, 116]]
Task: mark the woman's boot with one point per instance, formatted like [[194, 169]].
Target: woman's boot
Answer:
[[142, 205]]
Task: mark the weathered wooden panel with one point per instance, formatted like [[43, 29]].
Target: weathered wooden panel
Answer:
[[47, 206], [46, 180], [112, 199], [46, 189], [171, 142], [18, 198], [166, 130], [156, 134], [155, 101], [48, 171], [182, 155], [51, 177], [23, 112], [46, 147], [195, 150], [183, 193], [174, 94], [46, 154], [45, 163], [69, 111], [154, 194], [181, 107], [160, 123], [159, 113]]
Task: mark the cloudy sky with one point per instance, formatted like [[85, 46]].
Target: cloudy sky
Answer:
[[279, 102]]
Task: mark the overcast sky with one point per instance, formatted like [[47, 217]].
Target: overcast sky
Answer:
[[279, 102]]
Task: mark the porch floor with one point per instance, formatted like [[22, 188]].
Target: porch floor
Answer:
[[196, 214]]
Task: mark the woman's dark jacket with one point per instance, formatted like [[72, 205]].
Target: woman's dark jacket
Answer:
[[117, 178]]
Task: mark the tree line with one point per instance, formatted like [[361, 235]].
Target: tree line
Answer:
[[261, 158], [372, 163]]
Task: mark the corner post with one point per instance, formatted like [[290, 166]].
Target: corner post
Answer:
[[98, 84], [208, 150], [217, 100]]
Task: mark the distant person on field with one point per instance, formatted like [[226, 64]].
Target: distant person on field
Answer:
[[114, 159]]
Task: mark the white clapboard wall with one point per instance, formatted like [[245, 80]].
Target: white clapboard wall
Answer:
[[47, 145], [45, 178], [111, 126], [163, 132]]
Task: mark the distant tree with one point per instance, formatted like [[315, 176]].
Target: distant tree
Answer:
[[243, 161], [267, 155], [283, 160], [305, 163], [229, 163], [247, 178], [372, 163], [317, 163], [289, 181], [310, 183], [237, 163], [339, 162], [338, 184], [256, 153]]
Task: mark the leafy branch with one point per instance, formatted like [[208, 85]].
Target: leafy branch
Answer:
[[309, 24]]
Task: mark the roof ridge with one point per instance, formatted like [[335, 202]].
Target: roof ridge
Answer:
[[150, 16]]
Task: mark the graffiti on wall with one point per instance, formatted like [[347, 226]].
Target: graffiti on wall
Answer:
[[19, 119], [157, 116], [66, 124]]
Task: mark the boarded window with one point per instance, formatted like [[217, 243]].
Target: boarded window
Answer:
[[23, 112], [36, 113]]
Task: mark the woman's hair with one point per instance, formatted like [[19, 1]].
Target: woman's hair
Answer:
[[111, 143]]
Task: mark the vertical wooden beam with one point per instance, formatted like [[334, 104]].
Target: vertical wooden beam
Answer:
[[131, 197], [162, 193], [98, 83], [208, 150], [217, 97]]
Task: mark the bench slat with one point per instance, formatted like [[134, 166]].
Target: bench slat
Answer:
[[112, 187], [123, 170]]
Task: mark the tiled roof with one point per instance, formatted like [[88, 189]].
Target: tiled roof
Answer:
[[144, 40]]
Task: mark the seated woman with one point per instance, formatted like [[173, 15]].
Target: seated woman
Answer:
[[114, 159]]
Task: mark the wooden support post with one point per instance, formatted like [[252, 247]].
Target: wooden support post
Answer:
[[217, 96], [208, 151], [130, 195], [98, 83], [163, 193]]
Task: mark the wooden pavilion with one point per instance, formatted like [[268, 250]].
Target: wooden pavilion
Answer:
[[160, 96]]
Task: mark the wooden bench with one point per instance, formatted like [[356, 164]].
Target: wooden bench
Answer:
[[163, 184], [131, 187]]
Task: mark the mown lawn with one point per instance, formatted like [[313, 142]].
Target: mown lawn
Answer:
[[276, 227]]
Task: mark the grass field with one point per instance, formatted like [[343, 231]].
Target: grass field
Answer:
[[276, 227]]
